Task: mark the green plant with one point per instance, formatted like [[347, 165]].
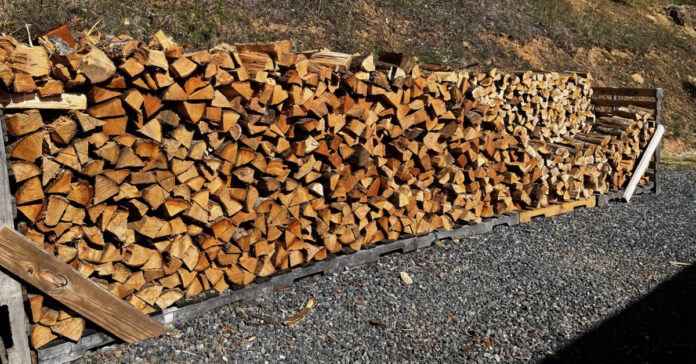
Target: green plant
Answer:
[[430, 58]]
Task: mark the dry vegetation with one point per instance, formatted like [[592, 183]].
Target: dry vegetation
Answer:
[[595, 36]]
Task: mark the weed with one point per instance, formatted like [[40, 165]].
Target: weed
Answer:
[[599, 30], [430, 58]]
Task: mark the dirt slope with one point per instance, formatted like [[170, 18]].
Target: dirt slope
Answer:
[[612, 39]]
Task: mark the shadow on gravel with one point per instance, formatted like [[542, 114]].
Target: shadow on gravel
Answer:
[[658, 328]]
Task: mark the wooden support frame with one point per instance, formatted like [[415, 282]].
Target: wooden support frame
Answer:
[[608, 99], [658, 120]]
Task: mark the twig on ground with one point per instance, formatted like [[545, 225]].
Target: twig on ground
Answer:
[[29, 35]]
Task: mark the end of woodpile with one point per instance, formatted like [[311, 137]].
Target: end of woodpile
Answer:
[[196, 171]]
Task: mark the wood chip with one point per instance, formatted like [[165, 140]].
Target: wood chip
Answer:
[[294, 319], [406, 278]]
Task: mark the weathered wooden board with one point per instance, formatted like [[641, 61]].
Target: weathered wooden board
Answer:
[[553, 210], [658, 121], [11, 290], [11, 297], [620, 103], [37, 267], [624, 91], [33, 101]]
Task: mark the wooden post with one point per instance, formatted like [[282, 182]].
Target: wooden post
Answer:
[[658, 122], [11, 296], [10, 290]]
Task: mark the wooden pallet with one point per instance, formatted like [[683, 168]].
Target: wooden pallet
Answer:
[[604, 199], [553, 210]]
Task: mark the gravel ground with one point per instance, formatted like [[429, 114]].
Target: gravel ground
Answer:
[[521, 293]]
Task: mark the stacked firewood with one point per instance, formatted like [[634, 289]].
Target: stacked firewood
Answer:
[[199, 171], [623, 134]]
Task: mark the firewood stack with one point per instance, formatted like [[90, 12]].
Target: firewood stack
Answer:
[[626, 131], [199, 171]]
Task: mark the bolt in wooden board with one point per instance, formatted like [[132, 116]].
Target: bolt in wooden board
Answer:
[[553, 210], [41, 269]]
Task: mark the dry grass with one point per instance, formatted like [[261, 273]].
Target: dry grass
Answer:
[[678, 161]]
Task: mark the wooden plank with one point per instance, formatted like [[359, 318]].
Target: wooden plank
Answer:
[[623, 114], [6, 204], [624, 91], [553, 210], [620, 103], [69, 351], [11, 297], [3, 353], [33, 101], [11, 292], [644, 161], [37, 267]]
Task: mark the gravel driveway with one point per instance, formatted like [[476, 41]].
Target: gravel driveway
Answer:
[[521, 293]]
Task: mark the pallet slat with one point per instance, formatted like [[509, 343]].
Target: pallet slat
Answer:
[[619, 103], [624, 91], [623, 114], [34, 101], [553, 210]]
